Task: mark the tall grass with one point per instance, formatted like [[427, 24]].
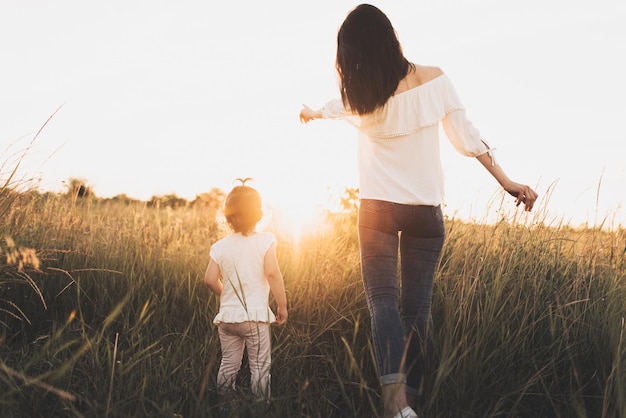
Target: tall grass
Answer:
[[529, 319]]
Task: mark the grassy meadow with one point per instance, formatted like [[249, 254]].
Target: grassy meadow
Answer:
[[103, 313]]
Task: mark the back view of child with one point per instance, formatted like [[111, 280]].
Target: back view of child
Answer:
[[242, 270]]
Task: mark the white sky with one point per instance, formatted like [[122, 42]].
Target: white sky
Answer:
[[164, 97]]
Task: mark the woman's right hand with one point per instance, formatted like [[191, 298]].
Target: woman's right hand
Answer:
[[307, 114]]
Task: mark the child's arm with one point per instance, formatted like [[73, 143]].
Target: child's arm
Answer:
[[212, 277], [277, 285]]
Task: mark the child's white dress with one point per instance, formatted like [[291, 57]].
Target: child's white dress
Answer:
[[246, 292]]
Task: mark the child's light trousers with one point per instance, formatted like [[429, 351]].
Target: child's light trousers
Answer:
[[255, 338]]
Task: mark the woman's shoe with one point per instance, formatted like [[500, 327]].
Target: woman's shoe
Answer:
[[407, 412]]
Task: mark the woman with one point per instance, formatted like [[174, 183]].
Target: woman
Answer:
[[397, 107]]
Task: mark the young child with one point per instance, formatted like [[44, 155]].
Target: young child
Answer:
[[242, 270]]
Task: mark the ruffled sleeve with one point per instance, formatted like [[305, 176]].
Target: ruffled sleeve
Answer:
[[427, 105], [464, 137], [412, 110], [408, 112], [334, 109]]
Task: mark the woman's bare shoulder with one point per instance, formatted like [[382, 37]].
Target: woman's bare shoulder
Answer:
[[426, 73], [418, 75]]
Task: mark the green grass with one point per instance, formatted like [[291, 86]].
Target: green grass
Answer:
[[115, 320]]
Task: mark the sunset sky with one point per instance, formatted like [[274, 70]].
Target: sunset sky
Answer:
[[160, 97]]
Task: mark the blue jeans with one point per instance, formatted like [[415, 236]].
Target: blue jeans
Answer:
[[400, 316]]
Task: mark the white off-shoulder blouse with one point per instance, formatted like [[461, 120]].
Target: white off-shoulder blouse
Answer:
[[246, 291], [398, 148]]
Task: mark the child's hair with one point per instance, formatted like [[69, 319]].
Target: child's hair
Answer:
[[242, 208]]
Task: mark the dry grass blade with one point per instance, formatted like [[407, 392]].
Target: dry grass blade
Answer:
[[30, 381], [117, 335]]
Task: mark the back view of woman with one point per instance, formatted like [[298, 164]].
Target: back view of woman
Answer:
[[397, 107]]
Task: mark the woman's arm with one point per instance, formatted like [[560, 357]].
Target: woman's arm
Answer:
[[307, 114], [277, 285], [523, 194]]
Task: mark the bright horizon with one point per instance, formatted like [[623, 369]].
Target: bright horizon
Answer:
[[178, 98]]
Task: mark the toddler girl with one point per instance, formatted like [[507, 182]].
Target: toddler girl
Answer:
[[242, 270]]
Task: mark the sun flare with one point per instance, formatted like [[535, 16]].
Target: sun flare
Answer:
[[294, 218], [293, 221]]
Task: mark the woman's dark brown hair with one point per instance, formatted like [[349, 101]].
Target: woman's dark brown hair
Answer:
[[370, 61]]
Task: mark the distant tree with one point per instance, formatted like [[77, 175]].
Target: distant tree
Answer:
[[123, 198], [169, 200], [212, 200], [78, 189]]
